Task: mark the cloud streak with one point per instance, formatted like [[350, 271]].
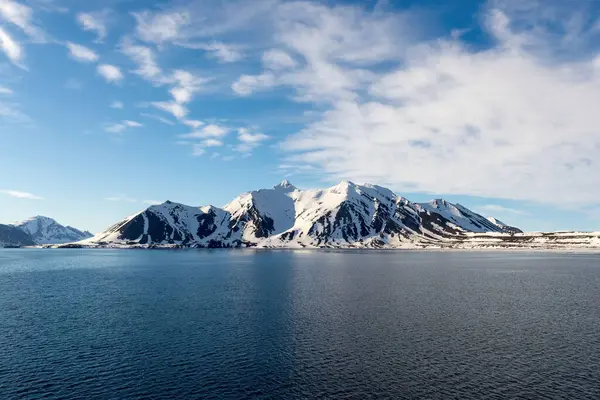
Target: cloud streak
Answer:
[[81, 53], [110, 73], [21, 195], [94, 22]]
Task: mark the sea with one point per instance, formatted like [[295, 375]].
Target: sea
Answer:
[[323, 324]]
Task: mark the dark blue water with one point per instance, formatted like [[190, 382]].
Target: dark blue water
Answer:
[[84, 324]]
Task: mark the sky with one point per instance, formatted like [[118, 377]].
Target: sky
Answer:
[[109, 106]]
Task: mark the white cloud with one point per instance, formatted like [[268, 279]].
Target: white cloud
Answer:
[[115, 128], [123, 198], [10, 112], [21, 195], [245, 85], [185, 86], [94, 22], [122, 126], [10, 47], [111, 73], [21, 16], [212, 143], [158, 118], [160, 27], [152, 202], [249, 141], [244, 135], [277, 59], [192, 123], [183, 22], [177, 110], [515, 119], [495, 208], [5, 91], [145, 59], [81, 53], [198, 150], [224, 53], [338, 45], [132, 124], [208, 131], [117, 105]]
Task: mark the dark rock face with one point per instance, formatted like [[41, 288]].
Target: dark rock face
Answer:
[[11, 236], [431, 221], [511, 229], [131, 230], [206, 224], [263, 225]]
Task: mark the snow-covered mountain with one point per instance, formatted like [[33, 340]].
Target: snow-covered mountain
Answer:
[[503, 226], [344, 215], [11, 236], [44, 230]]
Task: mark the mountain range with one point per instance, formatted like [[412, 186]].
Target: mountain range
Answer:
[[39, 230], [345, 215]]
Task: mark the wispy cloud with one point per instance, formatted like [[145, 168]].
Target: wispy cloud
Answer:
[[6, 91], [160, 27], [81, 53], [212, 143], [224, 53], [11, 48], [177, 110], [245, 85], [512, 119], [198, 150], [21, 16], [158, 118], [185, 85], [200, 19], [21, 195], [132, 124], [192, 123], [115, 128], [122, 126], [11, 112], [95, 22], [249, 141], [208, 131], [144, 57], [495, 208], [110, 73], [152, 202], [118, 105], [277, 59], [122, 198]]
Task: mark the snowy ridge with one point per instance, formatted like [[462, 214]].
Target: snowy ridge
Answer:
[[44, 230], [344, 215], [503, 226]]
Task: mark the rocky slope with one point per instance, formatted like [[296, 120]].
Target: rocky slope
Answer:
[[44, 230], [345, 215], [11, 236], [503, 226]]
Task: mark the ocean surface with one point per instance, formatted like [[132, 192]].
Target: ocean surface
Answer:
[[127, 324]]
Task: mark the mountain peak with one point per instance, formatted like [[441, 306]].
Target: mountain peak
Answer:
[[46, 230], [40, 218], [285, 184]]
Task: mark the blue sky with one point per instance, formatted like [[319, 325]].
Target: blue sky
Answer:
[[108, 106]]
